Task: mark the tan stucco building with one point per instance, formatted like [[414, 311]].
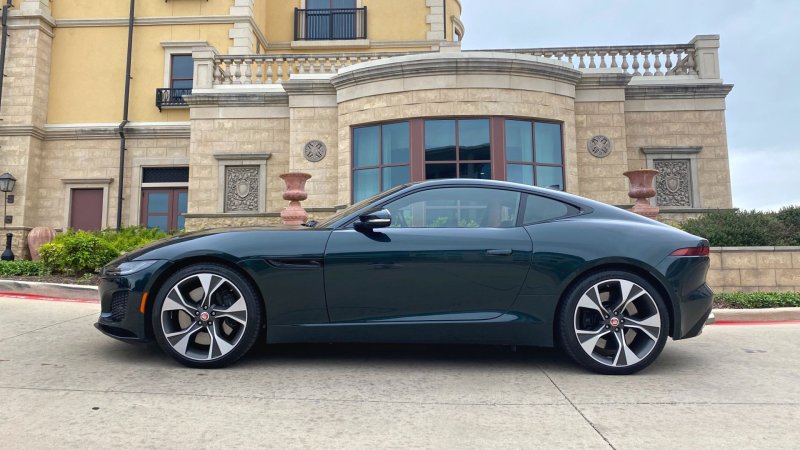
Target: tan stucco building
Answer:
[[226, 95]]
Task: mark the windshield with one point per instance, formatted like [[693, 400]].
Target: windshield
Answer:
[[347, 211]]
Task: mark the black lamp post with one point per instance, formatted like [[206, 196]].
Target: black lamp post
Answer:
[[7, 182]]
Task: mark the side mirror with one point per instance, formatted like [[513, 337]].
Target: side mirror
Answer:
[[380, 218]]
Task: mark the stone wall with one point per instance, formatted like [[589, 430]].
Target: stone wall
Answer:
[[705, 129], [601, 178], [748, 269]]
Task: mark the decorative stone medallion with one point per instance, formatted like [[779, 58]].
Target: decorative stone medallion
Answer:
[[673, 183], [600, 146], [241, 189], [315, 151]]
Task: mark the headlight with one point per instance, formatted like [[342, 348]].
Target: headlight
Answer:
[[129, 267]]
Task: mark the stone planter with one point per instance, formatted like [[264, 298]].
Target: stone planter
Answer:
[[37, 237], [295, 192], [642, 190]]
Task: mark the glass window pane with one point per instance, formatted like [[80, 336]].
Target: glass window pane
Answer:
[[482, 171], [550, 177], [473, 139], [456, 208], [440, 140], [182, 66], [520, 173], [318, 4], [157, 222], [394, 176], [519, 141], [366, 183], [157, 202], [183, 198], [538, 209], [395, 143], [437, 171], [366, 146], [181, 223], [343, 3], [181, 84], [548, 143]]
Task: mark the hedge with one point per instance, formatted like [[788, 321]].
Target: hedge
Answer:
[[748, 228], [750, 300], [22, 268]]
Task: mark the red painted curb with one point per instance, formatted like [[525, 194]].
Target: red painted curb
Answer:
[[46, 298], [780, 322]]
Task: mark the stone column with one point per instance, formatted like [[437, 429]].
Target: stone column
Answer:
[[706, 56], [242, 33], [203, 57]]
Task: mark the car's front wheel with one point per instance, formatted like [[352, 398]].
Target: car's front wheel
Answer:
[[613, 322], [206, 315]]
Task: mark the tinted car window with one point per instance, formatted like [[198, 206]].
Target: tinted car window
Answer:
[[456, 208], [539, 209]]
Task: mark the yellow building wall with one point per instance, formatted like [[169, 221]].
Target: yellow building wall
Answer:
[[453, 9], [88, 71], [394, 20], [97, 9]]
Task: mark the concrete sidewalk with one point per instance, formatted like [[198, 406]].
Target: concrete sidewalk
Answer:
[[65, 385]]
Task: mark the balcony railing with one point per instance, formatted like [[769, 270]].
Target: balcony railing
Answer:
[[171, 97], [330, 24]]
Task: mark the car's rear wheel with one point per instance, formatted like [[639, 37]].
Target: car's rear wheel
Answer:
[[613, 322], [206, 315]]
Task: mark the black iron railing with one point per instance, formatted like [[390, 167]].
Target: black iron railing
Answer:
[[330, 24], [171, 97]]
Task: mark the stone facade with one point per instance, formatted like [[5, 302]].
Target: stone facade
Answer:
[[251, 115], [749, 269]]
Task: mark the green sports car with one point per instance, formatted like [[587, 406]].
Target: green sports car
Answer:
[[445, 261]]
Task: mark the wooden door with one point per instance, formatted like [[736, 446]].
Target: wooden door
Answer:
[[86, 209]]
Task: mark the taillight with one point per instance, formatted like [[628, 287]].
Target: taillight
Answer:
[[692, 251]]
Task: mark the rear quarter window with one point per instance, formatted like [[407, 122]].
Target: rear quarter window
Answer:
[[541, 209]]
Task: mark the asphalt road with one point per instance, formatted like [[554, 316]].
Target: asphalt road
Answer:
[[63, 384]]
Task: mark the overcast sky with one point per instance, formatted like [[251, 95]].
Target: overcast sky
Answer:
[[759, 54]]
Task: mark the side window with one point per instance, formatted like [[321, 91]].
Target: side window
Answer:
[[456, 208], [539, 209]]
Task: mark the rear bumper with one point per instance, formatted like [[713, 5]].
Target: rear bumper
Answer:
[[695, 310], [691, 297]]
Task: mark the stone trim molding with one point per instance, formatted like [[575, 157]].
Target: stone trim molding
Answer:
[[372, 44], [435, 20], [681, 153], [677, 91], [230, 97], [437, 64], [23, 130], [18, 20], [135, 130], [156, 20], [225, 160], [458, 25]]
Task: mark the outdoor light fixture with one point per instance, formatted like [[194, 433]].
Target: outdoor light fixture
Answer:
[[7, 182]]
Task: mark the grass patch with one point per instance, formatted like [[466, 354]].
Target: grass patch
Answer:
[[752, 300]]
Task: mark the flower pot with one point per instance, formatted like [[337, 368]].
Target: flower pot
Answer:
[[37, 237]]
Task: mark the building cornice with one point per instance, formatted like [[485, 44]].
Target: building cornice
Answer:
[[686, 150], [677, 91], [602, 80], [438, 64], [226, 97], [20, 21], [22, 130], [300, 86], [140, 130]]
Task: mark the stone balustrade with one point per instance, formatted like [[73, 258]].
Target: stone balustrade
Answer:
[[697, 59], [277, 68]]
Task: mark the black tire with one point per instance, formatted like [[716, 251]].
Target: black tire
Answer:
[[644, 322], [233, 311]]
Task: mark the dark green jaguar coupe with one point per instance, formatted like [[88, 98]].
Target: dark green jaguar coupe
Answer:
[[449, 261]]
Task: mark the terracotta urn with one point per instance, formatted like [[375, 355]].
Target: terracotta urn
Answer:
[[295, 192], [642, 190], [37, 237]]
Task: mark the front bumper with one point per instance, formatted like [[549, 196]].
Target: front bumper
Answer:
[[123, 315]]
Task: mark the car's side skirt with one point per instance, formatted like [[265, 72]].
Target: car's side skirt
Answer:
[[506, 329]]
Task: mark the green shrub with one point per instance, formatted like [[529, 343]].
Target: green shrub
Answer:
[[22, 268], [789, 216], [750, 300], [739, 229], [130, 238], [77, 252]]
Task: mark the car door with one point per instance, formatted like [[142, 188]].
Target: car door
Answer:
[[450, 253]]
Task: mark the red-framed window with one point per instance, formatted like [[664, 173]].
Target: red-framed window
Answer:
[[527, 151]]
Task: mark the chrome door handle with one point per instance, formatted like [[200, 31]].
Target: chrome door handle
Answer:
[[500, 252]]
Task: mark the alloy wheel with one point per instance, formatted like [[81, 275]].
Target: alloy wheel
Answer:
[[617, 323], [204, 316]]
